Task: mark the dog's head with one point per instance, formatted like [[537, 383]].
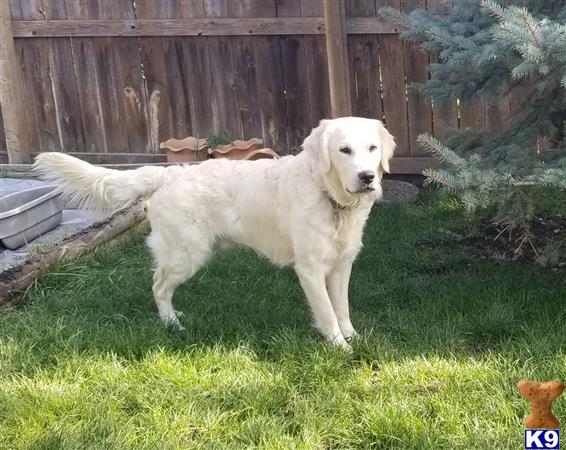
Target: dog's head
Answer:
[[353, 151]]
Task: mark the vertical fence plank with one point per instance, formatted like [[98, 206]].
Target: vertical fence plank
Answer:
[[11, 122], [361, 8], [27, 55], [87, 74], [37, 57], [107, 63], [337, 50], [317, 67], [64, 87], [518, 95], [472, 114], [30, 132], [198, 80], [177, 66], [419, 110], [78, 9], [394, 86], [16, 12], [131, 90], [156, 70], [245, 67], [224, 101], [114, 117], [259, 80], [3, 148], [134, 94], [445, 116], [289, 8], [247, 86], [270, 85], [498, 113], [363, 53], [68, 111], [295, 79], [89, 94]]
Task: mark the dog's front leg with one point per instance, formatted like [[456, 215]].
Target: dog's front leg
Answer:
[[337, 283], [313, 283]]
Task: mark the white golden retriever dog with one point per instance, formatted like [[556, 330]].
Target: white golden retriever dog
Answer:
[[308, 211]]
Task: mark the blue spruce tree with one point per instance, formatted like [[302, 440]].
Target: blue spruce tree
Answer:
[[484, 47]]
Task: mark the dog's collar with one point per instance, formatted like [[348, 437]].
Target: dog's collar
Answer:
[[335, 205]]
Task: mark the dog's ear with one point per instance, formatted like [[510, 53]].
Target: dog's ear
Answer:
[[317, 144], [387, 146]]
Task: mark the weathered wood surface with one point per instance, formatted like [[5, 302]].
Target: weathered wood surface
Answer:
[[3, 149], [446, 115], [419, 112], [10, 101], [120, 76], [365, 71], [193, 27], [394, 91], [337, 52]]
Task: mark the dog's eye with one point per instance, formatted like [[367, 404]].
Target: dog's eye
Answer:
[[372, 148], [346, 150]]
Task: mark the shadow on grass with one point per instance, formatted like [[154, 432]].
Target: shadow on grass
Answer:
[[407, 301]]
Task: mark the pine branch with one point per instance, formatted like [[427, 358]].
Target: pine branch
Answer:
[[439, 150], [527, 18], [439, 178]]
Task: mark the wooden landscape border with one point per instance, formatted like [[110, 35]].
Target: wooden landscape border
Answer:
[[13, 281]]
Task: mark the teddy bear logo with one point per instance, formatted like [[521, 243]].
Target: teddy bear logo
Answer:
[[541, 396]]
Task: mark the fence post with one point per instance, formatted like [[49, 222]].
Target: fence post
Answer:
[[337, 51], [10, 98]]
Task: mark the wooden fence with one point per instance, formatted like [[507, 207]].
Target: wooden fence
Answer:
[[110, 79]]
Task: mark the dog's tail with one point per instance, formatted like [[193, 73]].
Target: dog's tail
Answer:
[[88, 186]]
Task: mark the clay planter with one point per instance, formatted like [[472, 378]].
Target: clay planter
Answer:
[[250, 150], [185, 150]]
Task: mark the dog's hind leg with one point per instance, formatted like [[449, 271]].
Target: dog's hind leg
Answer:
[[168, 277], [165, 281]]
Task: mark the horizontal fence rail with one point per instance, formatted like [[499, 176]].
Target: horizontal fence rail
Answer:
[[193, 27]]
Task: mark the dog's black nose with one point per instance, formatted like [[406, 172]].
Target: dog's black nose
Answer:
[[367, 176]]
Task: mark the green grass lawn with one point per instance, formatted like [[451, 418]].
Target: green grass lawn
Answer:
[[445, 335]]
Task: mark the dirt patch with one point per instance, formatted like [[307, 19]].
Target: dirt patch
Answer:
[[544, 244]]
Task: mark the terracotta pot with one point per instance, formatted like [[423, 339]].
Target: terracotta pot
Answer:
[[251, 150], [185, 150]]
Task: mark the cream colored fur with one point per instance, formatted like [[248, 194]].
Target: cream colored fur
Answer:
[[307, 211]]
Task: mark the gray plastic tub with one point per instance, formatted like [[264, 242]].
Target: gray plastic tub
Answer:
[[28, 214]]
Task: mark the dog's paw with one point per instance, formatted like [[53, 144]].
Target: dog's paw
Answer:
[[340, 342], [179, 314], [173, 322], [350, 334]]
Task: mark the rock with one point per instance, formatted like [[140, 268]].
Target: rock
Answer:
[[399, 191]]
